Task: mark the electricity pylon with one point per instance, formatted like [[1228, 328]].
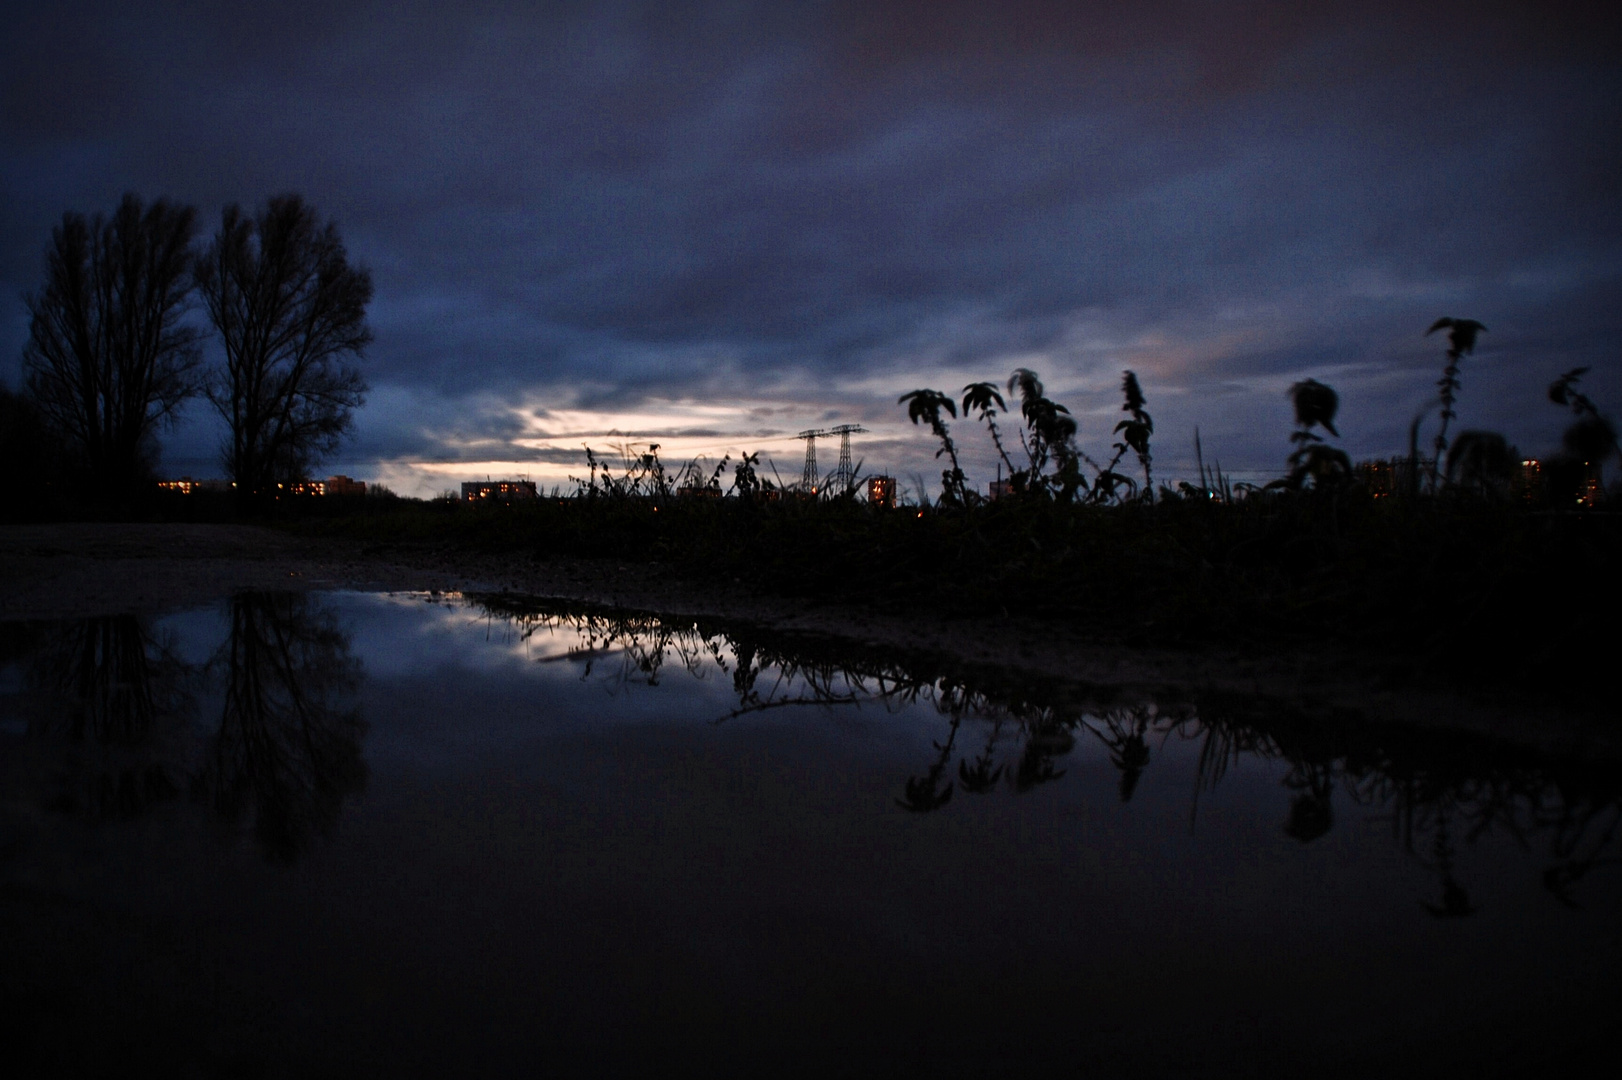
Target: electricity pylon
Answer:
[[845, 475], [810, 478]]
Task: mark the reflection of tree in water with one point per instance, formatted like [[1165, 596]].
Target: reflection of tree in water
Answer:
[[288, 750], [1433, 786], [112, 695], [111, 728]]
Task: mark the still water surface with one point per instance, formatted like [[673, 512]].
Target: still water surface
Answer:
[[369, 834]]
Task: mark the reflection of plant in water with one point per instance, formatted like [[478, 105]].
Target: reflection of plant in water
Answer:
[[644, 643], [924, 793], [1422, 781], [1455, 901], [1123, 733], [1430, 787], [1583, 832], [1044, 743], [1312, 812], [287, 751], [983, 775]]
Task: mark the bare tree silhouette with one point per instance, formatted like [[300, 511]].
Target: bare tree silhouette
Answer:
[[108, 357], [289, 308]]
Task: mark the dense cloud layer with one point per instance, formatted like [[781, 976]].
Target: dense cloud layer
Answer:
[[716, 226]]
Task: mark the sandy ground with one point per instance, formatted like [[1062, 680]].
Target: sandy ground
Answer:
[[80, 570]]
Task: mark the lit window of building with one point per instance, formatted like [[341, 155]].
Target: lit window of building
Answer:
[[498, 491]]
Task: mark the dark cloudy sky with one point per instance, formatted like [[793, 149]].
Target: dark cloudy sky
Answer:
[[712, 225]]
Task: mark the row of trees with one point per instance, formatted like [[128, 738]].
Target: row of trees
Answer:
[[115, 349]]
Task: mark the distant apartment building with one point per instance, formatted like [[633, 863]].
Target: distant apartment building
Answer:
[[1002, 489], [332, 485], [881, 491], [1528, 482], [188, 486], [1385, 477], [498, 490]]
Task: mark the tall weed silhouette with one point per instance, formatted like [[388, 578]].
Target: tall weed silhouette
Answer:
[[1313, 462], [1461, 341], [1134, 432], [1050, 434], [925, 406]]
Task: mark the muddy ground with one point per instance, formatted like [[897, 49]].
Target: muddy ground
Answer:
[[79, 570]]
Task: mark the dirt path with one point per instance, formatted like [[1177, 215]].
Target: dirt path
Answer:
[[80, 570]]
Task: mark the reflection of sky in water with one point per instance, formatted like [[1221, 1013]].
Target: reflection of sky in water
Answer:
[[573, 852]]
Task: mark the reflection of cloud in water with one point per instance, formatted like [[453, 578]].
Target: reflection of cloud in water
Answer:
[[413, 633]]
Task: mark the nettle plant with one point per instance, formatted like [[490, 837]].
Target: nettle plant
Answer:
[[1134, 432], [924, 406], [1053, 464], [1591, 438], [1461, 341], [1313, 462]]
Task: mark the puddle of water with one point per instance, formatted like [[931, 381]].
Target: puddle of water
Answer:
[[359, 833]]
